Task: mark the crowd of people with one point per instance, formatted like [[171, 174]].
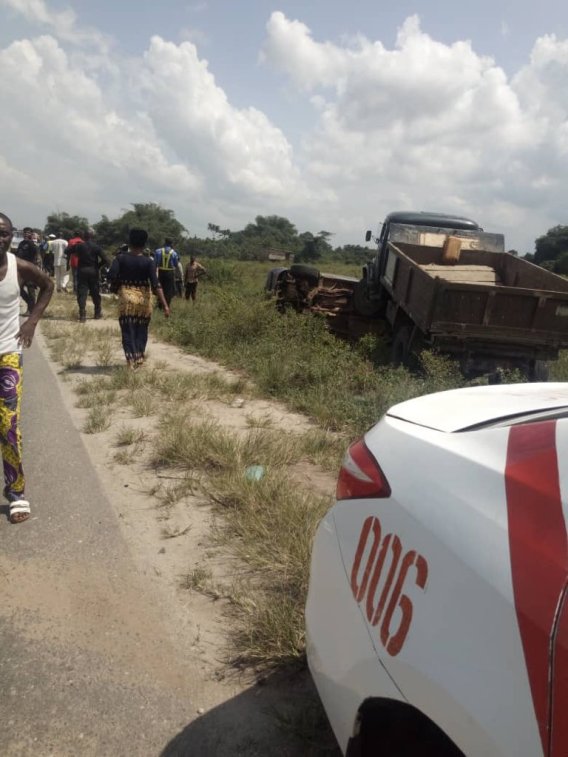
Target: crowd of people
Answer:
[[38, 267], [134, 274], [79, 264]]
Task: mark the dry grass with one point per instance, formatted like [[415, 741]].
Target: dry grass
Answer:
[[268, 521], [98, 419], [126, 435], [268, 524]]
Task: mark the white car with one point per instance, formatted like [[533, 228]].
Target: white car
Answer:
[[437, 614]]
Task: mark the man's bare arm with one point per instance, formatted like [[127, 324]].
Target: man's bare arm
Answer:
[[31, 274]]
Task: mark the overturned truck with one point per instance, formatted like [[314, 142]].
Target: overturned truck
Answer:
[[441, 282]]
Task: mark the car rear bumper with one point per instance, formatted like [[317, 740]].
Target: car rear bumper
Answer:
[[341, 657]]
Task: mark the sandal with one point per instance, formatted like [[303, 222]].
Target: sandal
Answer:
[[19, 510]]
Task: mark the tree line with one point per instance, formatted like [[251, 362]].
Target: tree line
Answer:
[[267, 233]]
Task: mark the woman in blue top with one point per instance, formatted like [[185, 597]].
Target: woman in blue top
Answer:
[[134, 278]]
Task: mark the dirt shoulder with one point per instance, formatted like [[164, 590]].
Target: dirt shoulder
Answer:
[[170, 529]]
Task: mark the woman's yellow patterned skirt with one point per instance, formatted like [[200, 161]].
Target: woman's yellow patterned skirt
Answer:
[[134, 313], [10, 436]]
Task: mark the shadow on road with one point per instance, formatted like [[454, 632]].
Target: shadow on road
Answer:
[[91, 370], [281, 717]]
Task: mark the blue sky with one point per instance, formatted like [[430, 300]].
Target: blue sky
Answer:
[[329, 113]]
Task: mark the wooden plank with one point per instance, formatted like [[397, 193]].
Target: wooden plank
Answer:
[[470, 274]]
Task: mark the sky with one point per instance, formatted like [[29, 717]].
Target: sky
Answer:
[[329, 113]]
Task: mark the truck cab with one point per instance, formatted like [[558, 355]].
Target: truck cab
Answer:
[[369, 296]]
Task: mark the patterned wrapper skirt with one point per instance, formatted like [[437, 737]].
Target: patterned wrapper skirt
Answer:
[[10, 437], [134, 313]]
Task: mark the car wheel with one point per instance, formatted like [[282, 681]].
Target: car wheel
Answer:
[[538, 371], [400, 348], [362, 304], [305, 272]]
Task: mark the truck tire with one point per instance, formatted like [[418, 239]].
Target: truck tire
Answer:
[[538, 371], [305, 272], [362, 303], [400, 349]]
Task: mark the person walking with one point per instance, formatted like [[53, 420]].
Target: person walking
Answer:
[[48, 254], [28, 251], [72, 257], [14, 271], [167, 261], [133, 276], [59, 247], [90, 260], [192, 272]]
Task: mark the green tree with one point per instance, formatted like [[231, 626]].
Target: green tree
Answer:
[[551, 245], [63, 223], [561, 265], [310, 251], [159, 222]]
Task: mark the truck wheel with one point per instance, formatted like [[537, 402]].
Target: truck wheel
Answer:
[[305, 272], [400, 348], [538, 370], [362, 303]]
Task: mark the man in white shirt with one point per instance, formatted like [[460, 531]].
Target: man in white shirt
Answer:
[[58, 247], [14, 335]]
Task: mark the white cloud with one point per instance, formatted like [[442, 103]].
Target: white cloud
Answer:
[[423, 125], [236, 147], [432, 126], [62, 24]]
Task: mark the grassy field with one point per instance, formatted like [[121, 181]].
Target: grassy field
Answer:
[[293, 357]]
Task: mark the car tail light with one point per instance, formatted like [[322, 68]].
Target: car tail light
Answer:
[[360, 475]]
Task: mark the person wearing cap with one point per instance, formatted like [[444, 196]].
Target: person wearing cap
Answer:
[[59, 247], [47, 250], [90, 260]]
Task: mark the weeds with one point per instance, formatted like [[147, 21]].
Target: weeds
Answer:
[[270, 526], [197, 579], [105, 353], [125, 456], [142, 402], [126, 435], [97, 420]]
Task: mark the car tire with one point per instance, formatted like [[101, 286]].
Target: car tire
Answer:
[[538, 371], [305, 272], [362, 304], [400, 348]]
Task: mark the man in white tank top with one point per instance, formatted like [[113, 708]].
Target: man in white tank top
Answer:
[[13, 336]]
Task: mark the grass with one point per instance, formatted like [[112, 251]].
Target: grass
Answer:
[[294, 358], [198, 579], [126, 436], [98, 419], [268, 524], [142, 402]]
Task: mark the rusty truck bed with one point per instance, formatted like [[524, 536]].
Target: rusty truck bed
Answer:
[[489, 296]]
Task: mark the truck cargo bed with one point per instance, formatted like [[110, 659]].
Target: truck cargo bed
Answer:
[[486, 296]]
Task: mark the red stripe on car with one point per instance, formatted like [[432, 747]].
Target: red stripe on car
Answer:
[[539, 551]]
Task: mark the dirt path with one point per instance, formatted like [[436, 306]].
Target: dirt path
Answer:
[[217, 711]]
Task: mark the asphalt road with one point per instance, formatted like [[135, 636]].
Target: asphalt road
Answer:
[[88, 665]]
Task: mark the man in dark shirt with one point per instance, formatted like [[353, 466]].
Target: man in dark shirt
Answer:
[[28, 251], [90, 259]]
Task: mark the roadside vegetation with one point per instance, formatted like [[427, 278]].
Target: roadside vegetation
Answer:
[[269, 517]]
